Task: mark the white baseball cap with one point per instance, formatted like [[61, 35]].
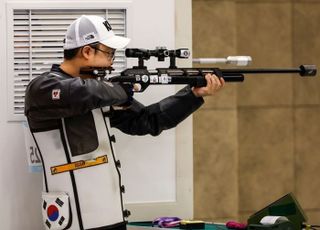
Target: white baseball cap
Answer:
[[89, 29]]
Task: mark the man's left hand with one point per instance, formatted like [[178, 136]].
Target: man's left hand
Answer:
[[214, 84]]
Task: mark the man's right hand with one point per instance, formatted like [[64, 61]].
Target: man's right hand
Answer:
[[128, 88]]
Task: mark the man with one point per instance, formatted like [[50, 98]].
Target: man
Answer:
[[69, 115]]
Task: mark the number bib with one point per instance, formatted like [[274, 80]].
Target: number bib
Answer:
[[33, 156]]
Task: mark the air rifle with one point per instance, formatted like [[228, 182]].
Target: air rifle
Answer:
[[193, 76]]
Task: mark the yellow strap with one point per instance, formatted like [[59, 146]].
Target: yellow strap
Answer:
[[79, 165]]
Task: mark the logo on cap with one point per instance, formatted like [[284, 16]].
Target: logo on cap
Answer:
[[107, 25], [88, 37]]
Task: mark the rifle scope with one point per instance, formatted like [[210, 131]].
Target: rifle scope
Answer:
[[160, 52]]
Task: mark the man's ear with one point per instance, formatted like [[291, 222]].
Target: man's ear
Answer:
[[86, 51]]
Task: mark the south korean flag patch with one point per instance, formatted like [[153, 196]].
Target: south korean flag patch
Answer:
[[55, 210]]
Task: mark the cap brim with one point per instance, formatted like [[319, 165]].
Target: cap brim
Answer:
[[116, 42]]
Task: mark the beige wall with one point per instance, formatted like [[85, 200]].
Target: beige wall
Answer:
[[258, 140]]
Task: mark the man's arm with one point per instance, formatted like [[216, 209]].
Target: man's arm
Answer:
[[153, 119], [49, 97]]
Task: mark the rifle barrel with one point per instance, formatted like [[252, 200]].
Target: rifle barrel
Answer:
[[303, 70]]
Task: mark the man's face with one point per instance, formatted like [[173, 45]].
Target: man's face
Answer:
[[100, 56]]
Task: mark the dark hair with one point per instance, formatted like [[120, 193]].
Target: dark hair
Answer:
[[69, 54]]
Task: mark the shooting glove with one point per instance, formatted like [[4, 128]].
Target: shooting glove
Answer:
[[128, 88]]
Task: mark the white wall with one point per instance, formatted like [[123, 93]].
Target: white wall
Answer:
[[152, 24]]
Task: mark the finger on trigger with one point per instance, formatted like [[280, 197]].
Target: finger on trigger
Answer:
[[136, 87]]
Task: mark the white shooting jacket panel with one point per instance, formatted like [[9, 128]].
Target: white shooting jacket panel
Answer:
[[97, 188]]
